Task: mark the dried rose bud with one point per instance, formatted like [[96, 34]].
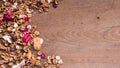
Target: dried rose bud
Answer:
[[26, 38], [14, 39], [11, 19], [43, 55], [26, 19], [7, 18], [54, 5], [27, 63], [38, 4]]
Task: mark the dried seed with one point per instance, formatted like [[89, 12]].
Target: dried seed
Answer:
[[2, 66], [39, 53], [29, 55], [36, 33], [33, 60]]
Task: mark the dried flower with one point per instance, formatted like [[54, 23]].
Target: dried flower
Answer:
[[1, 22], [43, 55], [26, 37], [60, 62], [27, 63], [54, 5], [58, 57], [26, 19], [7, 38], [26, 30], [14, 38], [18, 36], [38, 4], [49, 1], [10, 12], [15, 25], [29, 27], [17, 47]]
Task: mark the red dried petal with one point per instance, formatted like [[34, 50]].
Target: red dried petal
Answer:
[[26, 19], [1, 22], [26, 38], [10, 12]]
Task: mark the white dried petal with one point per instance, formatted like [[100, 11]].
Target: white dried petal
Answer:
[[38, 58], [15, 3], [21, 16], [27, 10], [58, 57], [7, 38], [17, 47], [41, 40], [16, 66], [29, 26], [22, 63], [15, 25], [13, 30], [49, 1], [48, 57], [60, 62]]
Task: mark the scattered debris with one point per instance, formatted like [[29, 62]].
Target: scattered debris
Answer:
[[19, 39]]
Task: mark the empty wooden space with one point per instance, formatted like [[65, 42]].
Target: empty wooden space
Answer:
[[85, 33]]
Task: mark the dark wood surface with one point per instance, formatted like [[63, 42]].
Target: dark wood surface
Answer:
[[85, 33]]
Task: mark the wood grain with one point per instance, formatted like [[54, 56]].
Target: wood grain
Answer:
[[85, 33]]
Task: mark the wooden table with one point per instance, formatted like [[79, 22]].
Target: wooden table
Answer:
[[85, 33]]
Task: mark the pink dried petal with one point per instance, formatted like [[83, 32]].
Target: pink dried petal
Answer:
[[43, 55], [26, 38], [14, 7], [10, 12], [1, 22]]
